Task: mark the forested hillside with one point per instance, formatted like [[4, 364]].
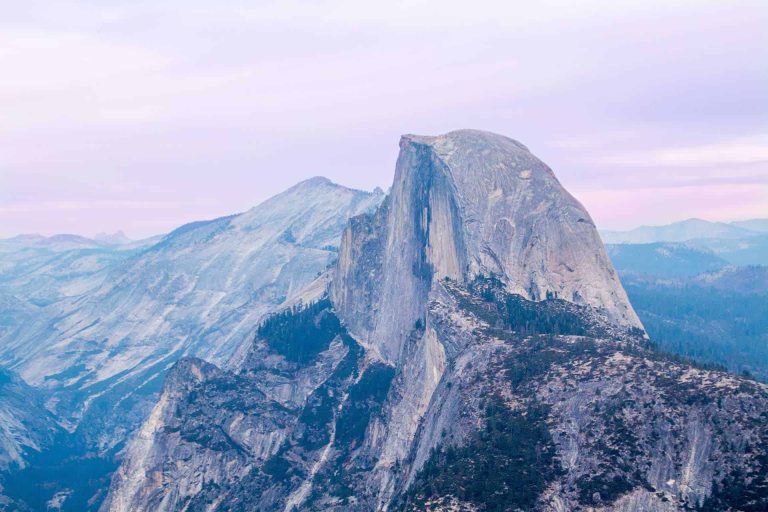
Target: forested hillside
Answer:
[[719, 318]]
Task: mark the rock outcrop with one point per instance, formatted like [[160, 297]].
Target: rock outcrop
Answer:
[[465, 204], [475, 351]]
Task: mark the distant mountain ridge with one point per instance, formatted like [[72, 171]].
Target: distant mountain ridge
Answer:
[[41, 270], [683, 231], [68, 241], [95, 325], [703, 299], [738, 243], [60, 242], [758, 225], [204, 270]]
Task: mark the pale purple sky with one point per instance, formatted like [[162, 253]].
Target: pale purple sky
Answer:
[[143, 115]]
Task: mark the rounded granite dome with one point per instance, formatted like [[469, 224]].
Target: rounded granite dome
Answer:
[[516, 221], [471, 203]]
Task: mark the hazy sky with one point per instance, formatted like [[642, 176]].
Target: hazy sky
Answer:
[[143, 115]]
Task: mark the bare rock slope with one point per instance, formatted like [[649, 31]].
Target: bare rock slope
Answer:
[[199, 291], [95, 329]]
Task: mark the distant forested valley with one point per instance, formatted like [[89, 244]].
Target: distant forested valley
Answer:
[[697, 307]]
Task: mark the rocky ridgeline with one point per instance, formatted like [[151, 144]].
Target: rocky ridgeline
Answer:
[[95, 330], [199, 291], [475, 351]]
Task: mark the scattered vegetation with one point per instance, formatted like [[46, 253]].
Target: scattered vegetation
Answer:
[[300, 333], [741, 490], [506, 311], [505, 466], [345, 468], [365, 400]]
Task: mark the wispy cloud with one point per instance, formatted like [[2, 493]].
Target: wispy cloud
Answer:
[[598, 141], [745, 151], [94, 205], [627, 208]]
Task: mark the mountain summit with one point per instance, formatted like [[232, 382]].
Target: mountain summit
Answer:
[[463, 205]]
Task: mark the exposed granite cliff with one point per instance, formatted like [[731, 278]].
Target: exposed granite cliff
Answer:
[[464, 204], [475, 352]]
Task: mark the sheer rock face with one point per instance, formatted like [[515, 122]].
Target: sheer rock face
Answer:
[[464, 204], [213, 430], [209, 428]]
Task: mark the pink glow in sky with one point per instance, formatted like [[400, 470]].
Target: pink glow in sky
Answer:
[[144, 115]]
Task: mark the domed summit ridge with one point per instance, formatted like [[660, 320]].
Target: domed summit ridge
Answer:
[[466, 204]]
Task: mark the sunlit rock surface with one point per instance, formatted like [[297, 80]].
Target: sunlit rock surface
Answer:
[[464, 204]]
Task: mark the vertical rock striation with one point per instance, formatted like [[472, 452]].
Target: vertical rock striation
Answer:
[[465, 204]]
